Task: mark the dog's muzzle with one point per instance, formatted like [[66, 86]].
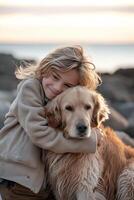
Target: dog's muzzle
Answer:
[[81, 130]]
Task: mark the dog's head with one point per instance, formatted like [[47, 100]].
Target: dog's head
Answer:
[[76, 111]]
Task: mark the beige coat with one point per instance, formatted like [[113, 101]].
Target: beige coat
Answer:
[[24, 131]]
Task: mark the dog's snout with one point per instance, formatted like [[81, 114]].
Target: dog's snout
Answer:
[[81, 128]]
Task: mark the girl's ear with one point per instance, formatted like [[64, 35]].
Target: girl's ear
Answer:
[[53, 113], [101, 111]]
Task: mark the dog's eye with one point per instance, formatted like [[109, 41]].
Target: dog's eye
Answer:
[[87, 107], [69, 108]]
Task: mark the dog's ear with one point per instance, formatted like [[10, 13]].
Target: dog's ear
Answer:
[[53, 112], [101, 111]]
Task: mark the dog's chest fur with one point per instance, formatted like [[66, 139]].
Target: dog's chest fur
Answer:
[[71, 173]]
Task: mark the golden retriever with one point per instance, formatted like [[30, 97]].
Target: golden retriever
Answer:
[[107, 174]]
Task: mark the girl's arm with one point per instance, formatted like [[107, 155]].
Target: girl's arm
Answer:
[[29, 110]]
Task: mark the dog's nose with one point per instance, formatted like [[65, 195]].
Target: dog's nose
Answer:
[[81, 128]]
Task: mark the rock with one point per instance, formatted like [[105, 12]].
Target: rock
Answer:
[[116, 120], [6, 96], [126, 109], [117, 88], [8, 64], [127, 72], [4, 107], [131, 119], [130, 130], [5, 101], [8, 83]]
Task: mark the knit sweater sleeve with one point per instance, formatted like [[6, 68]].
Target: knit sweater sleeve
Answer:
[[29, 111]]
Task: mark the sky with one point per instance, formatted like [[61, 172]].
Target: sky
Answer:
[[63, 21]]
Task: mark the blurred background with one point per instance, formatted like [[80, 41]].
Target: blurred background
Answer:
[[29, 29]]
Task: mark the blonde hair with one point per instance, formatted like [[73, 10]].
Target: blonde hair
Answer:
[[63, 59]]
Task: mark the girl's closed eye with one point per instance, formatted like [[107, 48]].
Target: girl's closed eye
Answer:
[[67, 85]]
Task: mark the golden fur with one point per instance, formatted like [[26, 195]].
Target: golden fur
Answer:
[[103, 175]]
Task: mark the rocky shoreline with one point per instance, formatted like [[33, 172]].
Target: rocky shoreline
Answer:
[[117, 88]]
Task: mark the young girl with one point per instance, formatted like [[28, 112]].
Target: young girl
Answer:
[[26, 133]]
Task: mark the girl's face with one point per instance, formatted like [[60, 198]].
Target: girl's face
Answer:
[[58, 82]]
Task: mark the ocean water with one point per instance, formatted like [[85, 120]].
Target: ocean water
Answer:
[[107, 58]]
